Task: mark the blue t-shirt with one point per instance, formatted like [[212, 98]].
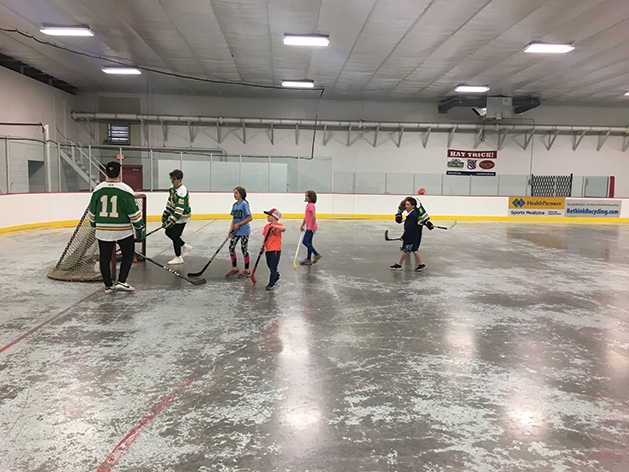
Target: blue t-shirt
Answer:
[[241, 211]]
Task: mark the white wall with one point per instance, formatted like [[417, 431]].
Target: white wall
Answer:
[[63, 209], [410, 156], [26, 100]]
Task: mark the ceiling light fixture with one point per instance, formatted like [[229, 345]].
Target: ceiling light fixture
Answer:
[[548, 48], [121, 70], [316, 40], [471, 89], [67, 31], [626, 94], [298, 83]]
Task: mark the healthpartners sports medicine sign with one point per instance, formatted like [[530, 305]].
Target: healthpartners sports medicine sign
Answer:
[[560, 206], [537, 206]]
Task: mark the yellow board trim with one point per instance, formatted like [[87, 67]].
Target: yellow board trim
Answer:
[[348, 216]]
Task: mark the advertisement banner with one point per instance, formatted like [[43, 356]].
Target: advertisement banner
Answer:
[[593, 208], [471, 162], [537, 206]]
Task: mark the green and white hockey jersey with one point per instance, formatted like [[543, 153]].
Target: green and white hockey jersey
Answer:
[[178, 205], [422, 215], [114, 212]]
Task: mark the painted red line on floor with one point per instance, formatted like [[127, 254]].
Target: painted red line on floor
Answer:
[[114, 456], [41, 325]]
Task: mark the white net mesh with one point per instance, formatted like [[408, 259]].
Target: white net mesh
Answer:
[[79, 261]]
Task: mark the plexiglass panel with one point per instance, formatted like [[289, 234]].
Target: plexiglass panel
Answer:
[[369, 182], [398, 183], [343, 182]]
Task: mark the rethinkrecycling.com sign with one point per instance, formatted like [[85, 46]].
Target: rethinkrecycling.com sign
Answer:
[[593, 208]]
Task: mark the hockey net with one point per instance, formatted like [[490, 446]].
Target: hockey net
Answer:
[[79, 261]]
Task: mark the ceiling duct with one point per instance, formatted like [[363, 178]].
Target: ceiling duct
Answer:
[[491, 108]]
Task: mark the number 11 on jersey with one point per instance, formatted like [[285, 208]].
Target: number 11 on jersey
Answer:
[[104, 204]]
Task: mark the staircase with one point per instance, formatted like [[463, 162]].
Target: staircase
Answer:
[[85, 166]]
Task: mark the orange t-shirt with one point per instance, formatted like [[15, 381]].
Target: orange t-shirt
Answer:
[[274, 242]]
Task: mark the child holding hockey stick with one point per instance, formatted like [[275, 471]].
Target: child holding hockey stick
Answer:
[[273, 244], [239, 229], [176, 215], [412, 235], [310, 224]]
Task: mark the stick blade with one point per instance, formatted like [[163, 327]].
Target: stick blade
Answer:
[[386, 235], [195, 274], [197, 281], [452, 225], [295, 264]]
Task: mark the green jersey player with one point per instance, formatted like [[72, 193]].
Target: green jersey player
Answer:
[[115, 214], [422, 215], [176, 215]]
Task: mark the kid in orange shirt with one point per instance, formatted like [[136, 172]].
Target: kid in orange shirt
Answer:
[[273, 244]]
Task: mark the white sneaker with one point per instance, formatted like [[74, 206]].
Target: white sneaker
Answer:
[[124, 287], [185, 250], [176, 260]]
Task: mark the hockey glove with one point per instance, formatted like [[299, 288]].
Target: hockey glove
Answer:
[[140, 234], [169, 223], [428, 224], [165, 216], [398, 218]]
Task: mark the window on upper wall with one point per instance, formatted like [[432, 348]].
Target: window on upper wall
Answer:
[[118, 133]]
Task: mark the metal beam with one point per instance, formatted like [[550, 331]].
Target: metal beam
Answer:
[[451, 135], [552, 135], [602, 139], [480, 137], [577, 140], [528, 137], [502, 134], [165, 132], [424, 137], [399, 141]]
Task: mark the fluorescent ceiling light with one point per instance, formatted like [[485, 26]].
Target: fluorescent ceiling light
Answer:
[[67, 31], [548, 48], [317, 40], [298, 83], [626, 94], [121, 70], [471, 89]]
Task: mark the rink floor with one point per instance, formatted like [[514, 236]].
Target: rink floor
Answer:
[[509, 353]]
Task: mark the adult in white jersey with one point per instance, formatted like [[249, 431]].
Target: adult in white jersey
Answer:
[[115, 214]]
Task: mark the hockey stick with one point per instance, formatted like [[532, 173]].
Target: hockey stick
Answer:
[[193, 282], [154, 231], [446, 227], [197, 274], [387, 238], [301, 238], [253, 278]]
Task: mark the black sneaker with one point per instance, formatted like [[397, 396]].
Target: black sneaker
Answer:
[[396, 267], [270, 287], [420, 267]]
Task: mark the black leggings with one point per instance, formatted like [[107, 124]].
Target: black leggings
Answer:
[[174, 233], [106, 248]]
